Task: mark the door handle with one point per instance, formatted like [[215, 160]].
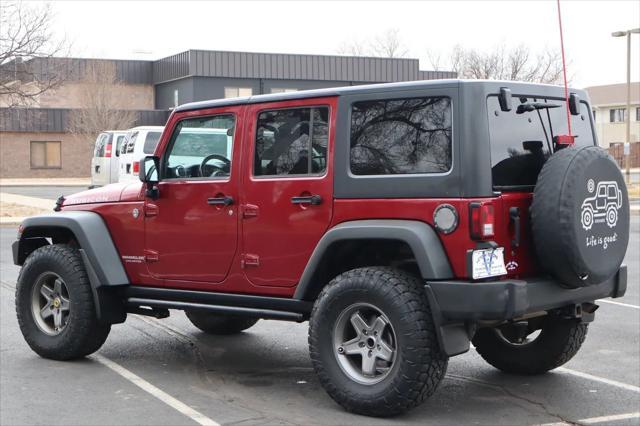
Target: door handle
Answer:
[[314, 200], [220, 201]]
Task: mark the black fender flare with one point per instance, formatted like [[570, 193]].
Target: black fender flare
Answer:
[[420, 237], [99, 254]]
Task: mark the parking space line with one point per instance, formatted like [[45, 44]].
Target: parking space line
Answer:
[[626, 305], [156, 392], [610, 382], [613, 418]]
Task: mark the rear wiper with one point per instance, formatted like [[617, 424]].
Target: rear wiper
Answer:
[[534, 106]]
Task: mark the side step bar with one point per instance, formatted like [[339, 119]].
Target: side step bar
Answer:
[[159, 299]]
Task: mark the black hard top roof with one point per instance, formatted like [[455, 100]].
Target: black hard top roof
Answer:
[[489, 86]]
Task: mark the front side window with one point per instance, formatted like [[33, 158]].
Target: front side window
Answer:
[[46, 155], [292, 142], [201, 148], [235, 92], [401, 136]]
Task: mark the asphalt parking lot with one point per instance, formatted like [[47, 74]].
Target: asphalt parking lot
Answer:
[[166, 372]]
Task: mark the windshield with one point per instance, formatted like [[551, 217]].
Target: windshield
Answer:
[[520, 142]]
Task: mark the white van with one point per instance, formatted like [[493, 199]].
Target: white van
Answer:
[[140, 141], [104, 164]]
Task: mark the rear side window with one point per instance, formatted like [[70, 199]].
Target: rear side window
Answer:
[[150, 142], [401, 136], [292, 142]]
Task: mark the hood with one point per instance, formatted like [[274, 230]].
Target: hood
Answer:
[[112, 193]]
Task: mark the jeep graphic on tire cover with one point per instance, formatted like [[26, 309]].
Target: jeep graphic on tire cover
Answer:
[[580, 216]]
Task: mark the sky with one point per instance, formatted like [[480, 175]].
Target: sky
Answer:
[[151, 30]]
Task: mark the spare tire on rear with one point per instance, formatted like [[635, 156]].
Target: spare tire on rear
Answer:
[[580, 216]]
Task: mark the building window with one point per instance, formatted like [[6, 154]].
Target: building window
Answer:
[[292, 142], [401, 136], [176, 98], [594, 114], [616, 115], [46, 155], [638, 114], [235, 92], [282, 90]]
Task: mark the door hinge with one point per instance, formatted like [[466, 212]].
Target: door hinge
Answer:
[[150, 255], [249, 260], [249, 210]]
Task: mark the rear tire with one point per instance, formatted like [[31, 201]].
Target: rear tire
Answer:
[[385, 361], [55, 306], [220, 324], [559, 340]]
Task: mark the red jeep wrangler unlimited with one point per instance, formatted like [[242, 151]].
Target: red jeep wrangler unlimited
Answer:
[[403, 221]]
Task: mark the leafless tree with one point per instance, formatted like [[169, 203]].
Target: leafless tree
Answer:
[[385, 45], [99, 93], [27, 48], [501, 63]]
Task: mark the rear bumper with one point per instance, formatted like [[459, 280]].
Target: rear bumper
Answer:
[[508, 299]]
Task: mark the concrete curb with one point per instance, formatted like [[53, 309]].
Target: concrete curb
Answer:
[[39, 203], [46, 182]]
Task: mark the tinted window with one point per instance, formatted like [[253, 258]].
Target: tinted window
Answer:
[[120, 139], [130, 144], [292, 142], [401, 136], [150, 142], [519, 147], [201, 147]]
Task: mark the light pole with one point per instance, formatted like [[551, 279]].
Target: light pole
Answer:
[[627, 114]]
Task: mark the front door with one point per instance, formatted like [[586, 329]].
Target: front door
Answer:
[[191, 229], [288, 188]]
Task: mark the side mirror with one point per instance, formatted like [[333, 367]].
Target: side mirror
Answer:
[[148, 172], [505, 99], [574, 104]]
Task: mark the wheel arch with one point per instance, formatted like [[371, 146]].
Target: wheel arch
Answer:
[[88, 231], [410, 241]]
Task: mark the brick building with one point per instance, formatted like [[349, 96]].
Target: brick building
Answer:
[[35, 141]]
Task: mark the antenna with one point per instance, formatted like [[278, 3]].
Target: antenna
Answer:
[[564, 70]]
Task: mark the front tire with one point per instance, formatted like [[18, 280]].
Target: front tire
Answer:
[[557, 342], [373, 343], [223, 325], [55, 306]]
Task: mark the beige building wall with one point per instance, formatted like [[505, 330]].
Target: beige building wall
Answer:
[[15, 155], [74, 95], [611, 133]]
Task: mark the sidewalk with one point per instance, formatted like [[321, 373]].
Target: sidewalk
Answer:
[[46, 182], [36, 204]]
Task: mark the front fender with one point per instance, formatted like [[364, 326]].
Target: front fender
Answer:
[[92, 236]]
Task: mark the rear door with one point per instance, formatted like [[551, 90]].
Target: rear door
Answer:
[[100, 163], [287, 187], [116, 147]]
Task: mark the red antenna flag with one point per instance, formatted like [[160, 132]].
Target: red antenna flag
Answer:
[[564, 70]]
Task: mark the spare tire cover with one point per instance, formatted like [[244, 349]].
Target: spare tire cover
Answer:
[[580, 216]]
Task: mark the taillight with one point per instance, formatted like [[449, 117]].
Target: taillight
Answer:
[[136, 166], [481, 220], [107, 151]]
